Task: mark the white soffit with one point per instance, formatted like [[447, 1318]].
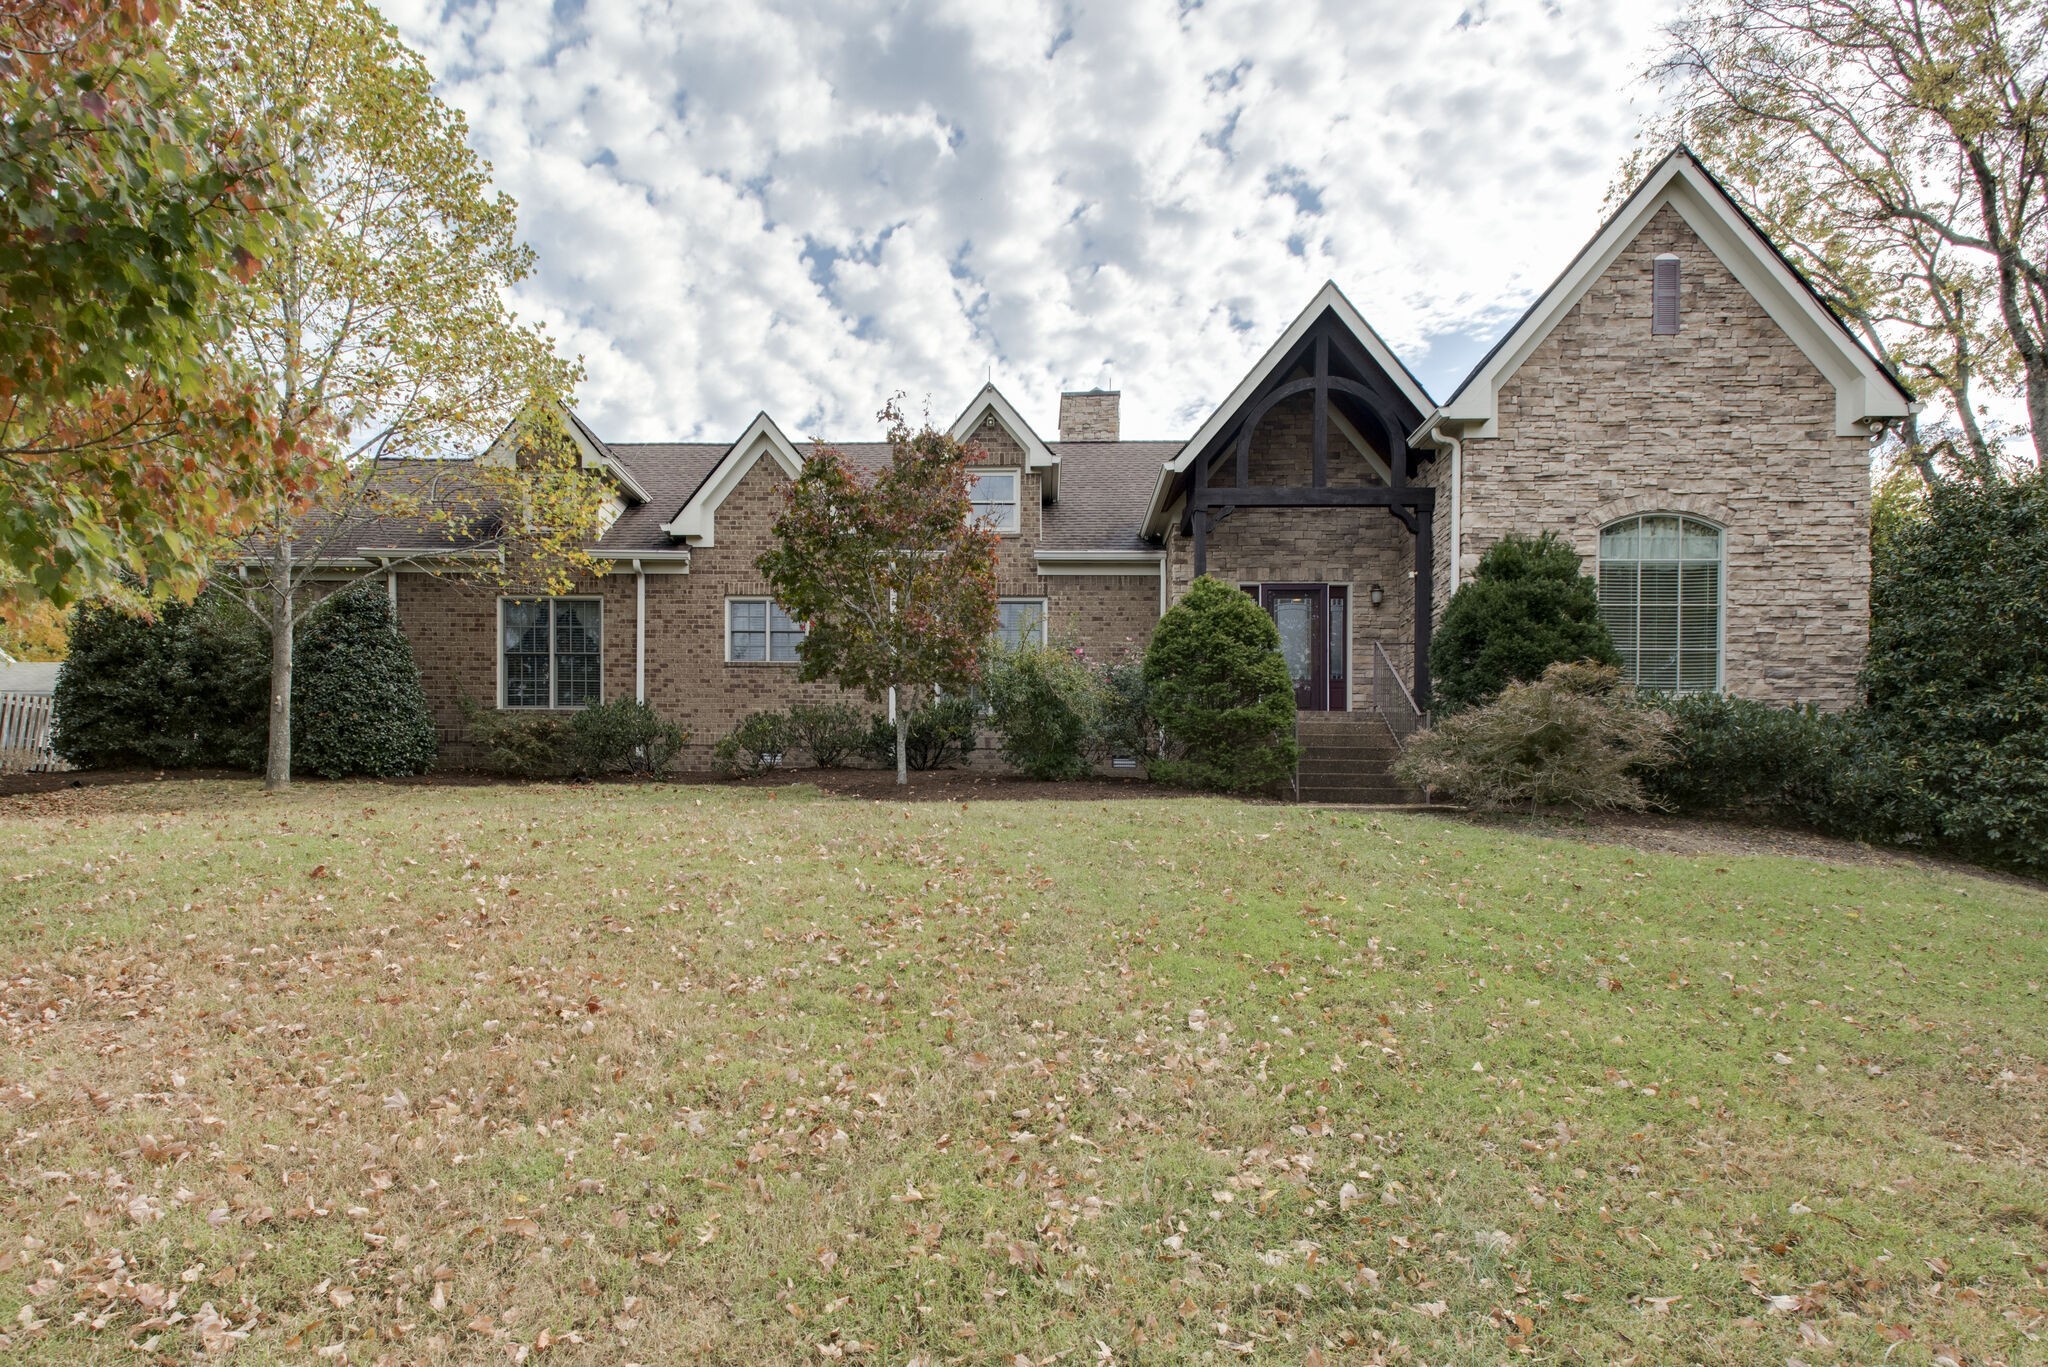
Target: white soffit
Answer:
[[762, 438], [1863, 391]]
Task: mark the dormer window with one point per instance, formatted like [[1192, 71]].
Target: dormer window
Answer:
[[1664, 315]]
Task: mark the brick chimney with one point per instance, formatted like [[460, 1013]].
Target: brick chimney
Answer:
[[1089, 415]]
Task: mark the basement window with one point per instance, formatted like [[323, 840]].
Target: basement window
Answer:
[[550, 651]]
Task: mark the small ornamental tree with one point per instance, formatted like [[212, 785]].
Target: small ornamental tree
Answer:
[[356, 694], [1526, 608], [1220, 690], [891, 572]]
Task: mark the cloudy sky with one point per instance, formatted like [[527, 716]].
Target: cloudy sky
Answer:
[[806, 205]]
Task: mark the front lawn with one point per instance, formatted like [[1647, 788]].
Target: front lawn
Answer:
[[608, 1074]]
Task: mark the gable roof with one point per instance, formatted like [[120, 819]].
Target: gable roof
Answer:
[[1331, 299], [1328, 301], [990, 402], [1865, 390], [694, 521]]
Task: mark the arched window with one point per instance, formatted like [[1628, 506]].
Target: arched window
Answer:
[[1660, 594]]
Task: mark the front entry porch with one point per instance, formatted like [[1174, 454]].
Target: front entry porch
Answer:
[[1314, 621]]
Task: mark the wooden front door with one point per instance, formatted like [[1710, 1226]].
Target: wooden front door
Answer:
[[1313, 640]]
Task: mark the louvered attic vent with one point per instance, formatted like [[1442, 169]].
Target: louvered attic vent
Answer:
[[1664, 297]]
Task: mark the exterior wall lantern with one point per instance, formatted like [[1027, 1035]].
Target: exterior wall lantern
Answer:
[[1378, 595]]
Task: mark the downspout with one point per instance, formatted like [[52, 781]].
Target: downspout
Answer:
[[639, 632], [1433, 432]]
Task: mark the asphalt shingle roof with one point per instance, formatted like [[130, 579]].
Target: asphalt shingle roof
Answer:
[[1105, 487]]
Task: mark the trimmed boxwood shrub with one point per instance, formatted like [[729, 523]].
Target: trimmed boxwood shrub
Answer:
[[1043, 706], [833, 733], [1525, 608], [759, 743], [1220, 691], [941, 734], [188, 689], [357, 704], [624, 736], [520, 744]]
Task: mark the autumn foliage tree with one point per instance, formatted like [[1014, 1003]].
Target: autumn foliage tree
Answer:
[[131, 206], [381, 326], [890, 570]]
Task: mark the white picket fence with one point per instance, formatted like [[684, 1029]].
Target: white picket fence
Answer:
[[25, 735]]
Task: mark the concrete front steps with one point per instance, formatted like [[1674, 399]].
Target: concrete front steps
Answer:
[[1349, 757]]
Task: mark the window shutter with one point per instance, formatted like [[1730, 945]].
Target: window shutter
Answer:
[[1664, 297]]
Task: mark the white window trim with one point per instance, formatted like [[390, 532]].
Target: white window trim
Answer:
[[1017, 477], [1044, 616], [767, 646], [498, 646], [1720, 581]]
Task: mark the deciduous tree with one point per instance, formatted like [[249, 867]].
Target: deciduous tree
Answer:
[[1895, 149], [131, 205], [381, 325], [891, 571]]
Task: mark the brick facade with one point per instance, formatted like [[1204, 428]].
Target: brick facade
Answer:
[[453, 625], [1727, 420]]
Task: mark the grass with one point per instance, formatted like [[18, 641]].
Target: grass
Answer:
[[611, 1074]]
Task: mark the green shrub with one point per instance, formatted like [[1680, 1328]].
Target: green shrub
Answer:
[[1043, 704], [941, 734], [357, 704], [623, 737], [1957, 672], [832, 733], [1525, 608], [1732, 756], [189, 688], [1123, 718], [521, 744], [1574, 738], [1220, 692], [752, 748], [1831, 771]]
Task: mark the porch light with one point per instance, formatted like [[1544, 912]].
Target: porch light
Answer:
[[1378, 595]]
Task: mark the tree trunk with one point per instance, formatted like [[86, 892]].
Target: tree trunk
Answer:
[[902, 740], [277, 768]]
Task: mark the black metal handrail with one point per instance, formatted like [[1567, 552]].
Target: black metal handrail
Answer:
[[1391, 698]]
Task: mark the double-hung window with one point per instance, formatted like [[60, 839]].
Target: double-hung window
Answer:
[[758, 631], [1020, 622], [551, 651], [994, 495], [1660, 596]]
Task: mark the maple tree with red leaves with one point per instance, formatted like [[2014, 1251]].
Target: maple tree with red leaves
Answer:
[[128, 208], [890, 571]]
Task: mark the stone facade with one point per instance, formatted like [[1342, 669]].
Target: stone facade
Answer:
[[1726, 420], [1089, 415]]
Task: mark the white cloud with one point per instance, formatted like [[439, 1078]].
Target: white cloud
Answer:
[[807, 205]]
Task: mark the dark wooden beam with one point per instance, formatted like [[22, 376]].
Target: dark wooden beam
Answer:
[[1272, 496], [1319, 448]]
